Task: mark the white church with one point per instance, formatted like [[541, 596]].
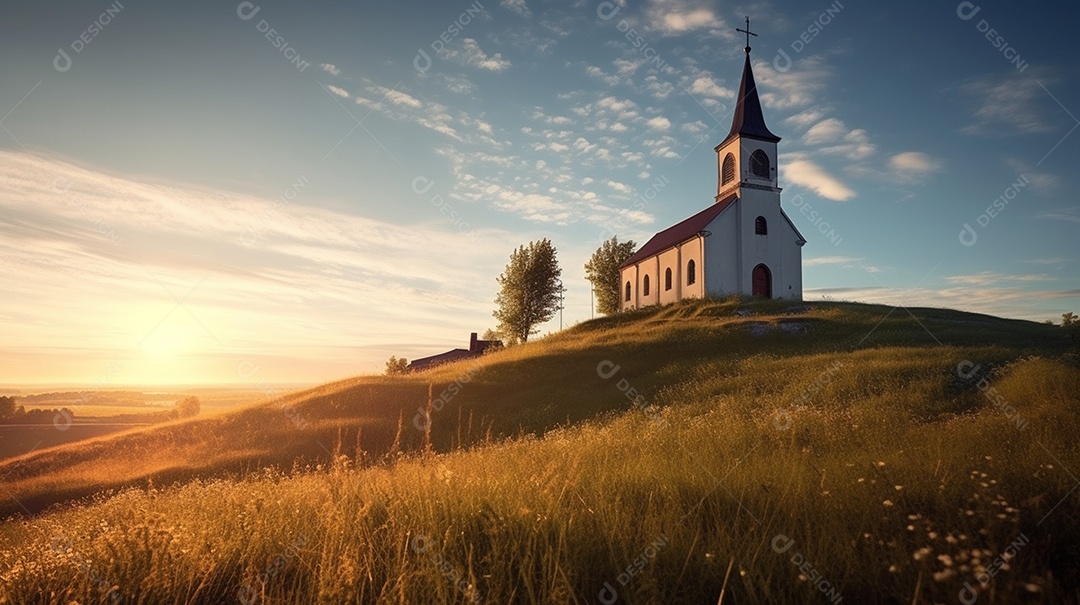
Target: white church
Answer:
[[743, 243]]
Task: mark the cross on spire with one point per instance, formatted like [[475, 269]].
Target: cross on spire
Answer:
[[748, 34]]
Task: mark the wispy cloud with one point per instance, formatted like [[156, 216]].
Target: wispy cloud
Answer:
[[1071, 214], [330, 68], [825, 131], [706, 86], [1042, 181], [812, 176], [517, 6], [1013, 104], [792, 89], [829, 260], [986, 278], [1057, 260], [247, 263], [678, 17], [1022, 302], [470, 54], [341, 92]]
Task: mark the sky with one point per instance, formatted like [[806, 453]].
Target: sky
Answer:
[[269, 192]]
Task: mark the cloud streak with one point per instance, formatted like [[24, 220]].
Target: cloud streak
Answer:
[[256, 277]]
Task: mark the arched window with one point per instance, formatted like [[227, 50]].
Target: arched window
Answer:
[[667, 279], [727, 174], [761, 227], [627, 291], [691, 274], [759, 164], [645, 286]]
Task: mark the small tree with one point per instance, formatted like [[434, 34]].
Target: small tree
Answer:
[[531, 291], [602, 271], [396, 365], [188, 407], [1071, 323], [7, 407]]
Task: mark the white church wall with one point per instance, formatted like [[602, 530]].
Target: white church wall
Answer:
[[721, 250], [669, 261], [692, 250], [648, 268], [760, 249], [792, 263], [627, 275]]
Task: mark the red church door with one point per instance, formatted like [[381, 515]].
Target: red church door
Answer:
[[762, 281]]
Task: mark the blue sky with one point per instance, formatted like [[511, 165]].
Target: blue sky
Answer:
[[275, 192]]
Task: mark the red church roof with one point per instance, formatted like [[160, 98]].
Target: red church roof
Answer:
[[680, 232]]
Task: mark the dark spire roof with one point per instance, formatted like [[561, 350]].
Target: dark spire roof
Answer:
[[748, 119]]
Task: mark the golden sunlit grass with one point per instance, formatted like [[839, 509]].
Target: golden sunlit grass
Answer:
[[775, 458]]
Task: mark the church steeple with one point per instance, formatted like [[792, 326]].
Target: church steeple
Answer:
[[748, 119], [747, 156]]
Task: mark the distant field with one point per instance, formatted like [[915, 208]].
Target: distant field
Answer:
[[106, 413], [18, 439]]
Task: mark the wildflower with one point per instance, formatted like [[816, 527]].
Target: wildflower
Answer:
[[945, 574], [887, 503]]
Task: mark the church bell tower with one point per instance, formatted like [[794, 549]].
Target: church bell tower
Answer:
[[747, 156]]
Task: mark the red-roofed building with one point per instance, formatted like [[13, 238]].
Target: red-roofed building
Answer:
[[743, 243], [476, 348]]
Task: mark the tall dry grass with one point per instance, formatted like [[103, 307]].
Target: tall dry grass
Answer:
[[790, 467]]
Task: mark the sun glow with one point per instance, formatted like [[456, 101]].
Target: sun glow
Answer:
[[174, 336]]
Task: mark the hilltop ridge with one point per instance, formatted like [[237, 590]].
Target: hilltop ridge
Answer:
[[528, 389]]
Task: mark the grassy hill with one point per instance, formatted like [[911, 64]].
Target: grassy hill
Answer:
[[715, 450]]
